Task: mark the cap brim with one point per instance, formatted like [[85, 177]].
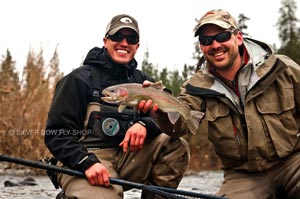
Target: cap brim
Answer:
[[221, 24], [116, 29]]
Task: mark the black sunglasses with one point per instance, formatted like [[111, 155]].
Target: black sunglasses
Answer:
[[221, 37], [118, 37]]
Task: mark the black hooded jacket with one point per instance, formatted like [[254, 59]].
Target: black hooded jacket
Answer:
[[65, 124]]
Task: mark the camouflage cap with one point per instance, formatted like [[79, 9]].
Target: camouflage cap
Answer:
[[218, 17], [121, 21]]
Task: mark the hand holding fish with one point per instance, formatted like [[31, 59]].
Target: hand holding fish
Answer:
[[146, 106]]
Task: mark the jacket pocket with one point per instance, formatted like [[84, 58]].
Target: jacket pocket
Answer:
[[277, 108], [221, 132]]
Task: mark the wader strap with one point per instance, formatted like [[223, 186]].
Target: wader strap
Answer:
[[96, 84], [95, 98]]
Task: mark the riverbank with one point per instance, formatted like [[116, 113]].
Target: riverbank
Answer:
[[205, 182]]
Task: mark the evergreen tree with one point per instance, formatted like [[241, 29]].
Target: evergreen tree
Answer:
[[148, 67], [242, 24], [188, 71], [164, 77], [197, 54], [175, 82], [289, 32]]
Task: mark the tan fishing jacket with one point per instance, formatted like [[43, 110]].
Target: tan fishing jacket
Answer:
[[254, 132]]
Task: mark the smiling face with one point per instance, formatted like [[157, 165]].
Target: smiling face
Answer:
[[121, 52], [221, 55]]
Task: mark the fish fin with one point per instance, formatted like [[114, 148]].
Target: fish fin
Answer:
[[133, 102], [158, 85], [173, 116], [194, 120], [121, 108]]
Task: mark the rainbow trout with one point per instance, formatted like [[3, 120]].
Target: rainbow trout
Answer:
[[130, 94]]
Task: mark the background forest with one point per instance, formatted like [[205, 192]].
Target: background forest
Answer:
[[25, 99]]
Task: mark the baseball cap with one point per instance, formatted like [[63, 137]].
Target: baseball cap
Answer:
[[121, 21], [219, 17]]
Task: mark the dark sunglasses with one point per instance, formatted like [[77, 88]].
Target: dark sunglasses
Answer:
[[118, 37], [221, 37]]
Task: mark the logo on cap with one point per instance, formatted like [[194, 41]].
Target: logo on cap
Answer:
[[125, 20]]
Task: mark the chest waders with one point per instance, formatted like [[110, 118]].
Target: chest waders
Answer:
[[104, 126]]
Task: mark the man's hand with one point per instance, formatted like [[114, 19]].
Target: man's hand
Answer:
[[146, 106], [98, 174], [134, 138]]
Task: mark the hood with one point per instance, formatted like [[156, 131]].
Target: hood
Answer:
[[99, 57], [258, 51]]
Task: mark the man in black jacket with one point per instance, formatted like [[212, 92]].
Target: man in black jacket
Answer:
[[86, 134]]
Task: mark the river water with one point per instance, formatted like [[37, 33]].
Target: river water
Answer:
[[205, 182]]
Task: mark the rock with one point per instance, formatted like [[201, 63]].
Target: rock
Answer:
[[26, 182]]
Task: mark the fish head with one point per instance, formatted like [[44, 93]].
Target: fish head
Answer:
[[115, 95]]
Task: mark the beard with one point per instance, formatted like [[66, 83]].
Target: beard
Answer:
[[224, 64]]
